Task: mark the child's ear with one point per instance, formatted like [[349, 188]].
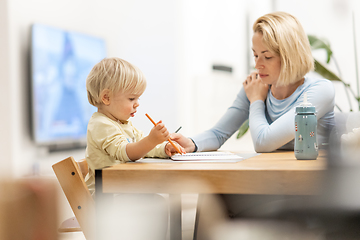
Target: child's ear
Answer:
[[105, 96]]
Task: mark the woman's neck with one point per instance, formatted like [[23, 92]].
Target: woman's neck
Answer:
[[285, 91]]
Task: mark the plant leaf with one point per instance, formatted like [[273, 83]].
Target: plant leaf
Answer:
[[317, 43], [243, 129], [326, 73]]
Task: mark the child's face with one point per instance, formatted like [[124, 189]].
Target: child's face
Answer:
[[123, 105]]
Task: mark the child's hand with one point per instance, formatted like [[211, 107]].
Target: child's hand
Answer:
[[170, 150], [159, 133]]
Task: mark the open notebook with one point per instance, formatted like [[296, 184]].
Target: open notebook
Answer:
[[207, 156]]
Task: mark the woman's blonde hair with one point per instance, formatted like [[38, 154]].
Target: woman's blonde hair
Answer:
[[114, 74], [284, 36]]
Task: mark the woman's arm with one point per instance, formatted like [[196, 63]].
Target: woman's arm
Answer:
[[269, 137], [229, 123]]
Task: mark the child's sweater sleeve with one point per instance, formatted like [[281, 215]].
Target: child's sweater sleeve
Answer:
[[158, 151]]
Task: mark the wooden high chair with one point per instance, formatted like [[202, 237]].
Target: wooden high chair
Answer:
[[71, 176]]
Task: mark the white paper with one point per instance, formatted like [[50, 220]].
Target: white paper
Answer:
[[207, 156]]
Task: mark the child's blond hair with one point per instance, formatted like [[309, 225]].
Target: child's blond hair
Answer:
[[114, 74]]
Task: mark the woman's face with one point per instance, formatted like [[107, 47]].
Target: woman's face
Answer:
[[267, 63]]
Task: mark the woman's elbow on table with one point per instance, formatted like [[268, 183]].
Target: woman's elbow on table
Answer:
[[263, 147]]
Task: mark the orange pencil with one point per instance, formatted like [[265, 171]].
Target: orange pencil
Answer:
[[171, 142]]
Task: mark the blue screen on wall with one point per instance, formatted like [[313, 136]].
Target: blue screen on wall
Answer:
[[60, 63]]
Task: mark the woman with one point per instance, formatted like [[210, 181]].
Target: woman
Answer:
[[269, 96], [268, 99]]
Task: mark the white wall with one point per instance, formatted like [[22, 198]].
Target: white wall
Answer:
[[174, 42], [147, 36], [213, 33], [6, 86]]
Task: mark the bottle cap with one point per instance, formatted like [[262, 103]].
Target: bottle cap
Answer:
[[305, 106]]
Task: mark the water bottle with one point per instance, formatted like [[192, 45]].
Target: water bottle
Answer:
[[306, 147]]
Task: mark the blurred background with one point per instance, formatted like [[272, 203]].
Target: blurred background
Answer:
[[177, 44]]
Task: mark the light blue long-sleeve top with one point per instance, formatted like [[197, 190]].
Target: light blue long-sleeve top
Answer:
[[272, 122]]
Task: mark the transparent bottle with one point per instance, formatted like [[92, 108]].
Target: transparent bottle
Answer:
[[305, 147]]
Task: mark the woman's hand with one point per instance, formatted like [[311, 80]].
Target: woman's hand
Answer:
[[254, 88], [183, 141], [170, 150]]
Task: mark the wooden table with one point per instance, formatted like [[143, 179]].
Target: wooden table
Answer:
[[267, 173]]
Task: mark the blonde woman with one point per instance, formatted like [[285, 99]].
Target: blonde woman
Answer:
[[269, 96], [268, 99]]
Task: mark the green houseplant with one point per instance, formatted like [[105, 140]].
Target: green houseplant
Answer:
[[323, 70]]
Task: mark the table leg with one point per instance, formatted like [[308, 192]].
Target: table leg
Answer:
[[98, 198], [103, 203], [175, 216]]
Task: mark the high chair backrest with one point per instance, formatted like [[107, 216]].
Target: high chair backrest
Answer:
[[83, 167], [71, 179]]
